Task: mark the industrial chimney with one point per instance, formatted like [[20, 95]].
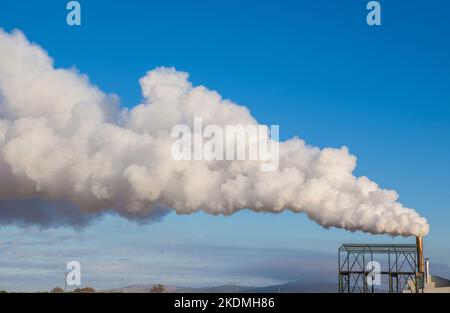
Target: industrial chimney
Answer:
[[420, 265], [427, 271]]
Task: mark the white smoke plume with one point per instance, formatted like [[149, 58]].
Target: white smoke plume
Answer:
[[67, 151]]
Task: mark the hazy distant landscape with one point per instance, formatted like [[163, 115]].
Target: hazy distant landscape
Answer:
[[290, 287]]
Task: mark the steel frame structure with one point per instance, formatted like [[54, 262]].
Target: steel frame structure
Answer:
[[401, 269]]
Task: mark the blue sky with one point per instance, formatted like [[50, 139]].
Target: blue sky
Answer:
[[313, 67]]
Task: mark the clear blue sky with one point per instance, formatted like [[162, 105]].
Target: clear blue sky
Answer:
[[313, 67]]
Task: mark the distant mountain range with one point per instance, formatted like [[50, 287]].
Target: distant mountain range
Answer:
[[291, 287]]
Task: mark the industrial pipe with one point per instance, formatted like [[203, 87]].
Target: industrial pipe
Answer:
[[419, 243], [427, 271]]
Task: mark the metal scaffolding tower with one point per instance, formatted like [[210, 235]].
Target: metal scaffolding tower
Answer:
[[398, 264]]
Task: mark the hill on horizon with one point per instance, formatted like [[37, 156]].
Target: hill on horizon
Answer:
[[297, 286]]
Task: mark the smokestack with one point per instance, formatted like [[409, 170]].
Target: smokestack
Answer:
[[419, 243], [427, 271]]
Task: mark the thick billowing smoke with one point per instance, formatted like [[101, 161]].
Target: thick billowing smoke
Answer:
[[68, 152]]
